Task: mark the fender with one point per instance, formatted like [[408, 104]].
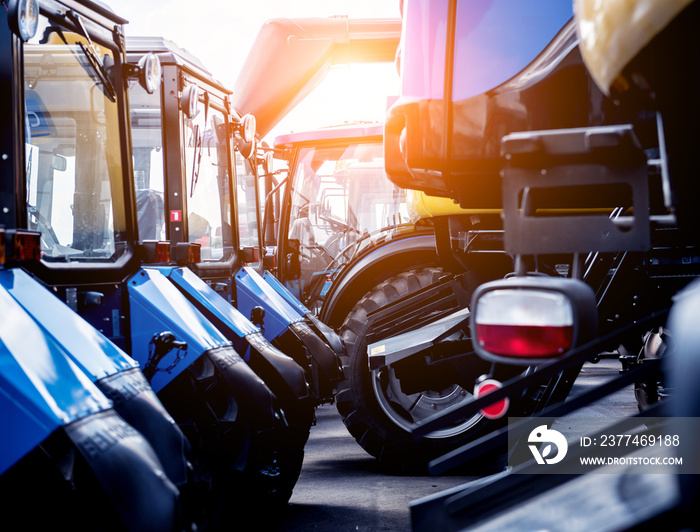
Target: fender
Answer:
[[128, 470], [285, 327], [254, 398], [368, 270], [156, 305], [266, 360], [329, 335], [136, 402], [41, 389], [115, 373]]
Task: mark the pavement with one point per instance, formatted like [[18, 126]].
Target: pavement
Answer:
[[343, 489]]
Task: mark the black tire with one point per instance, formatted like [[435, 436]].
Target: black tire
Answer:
[[237, 470], [378, 420]]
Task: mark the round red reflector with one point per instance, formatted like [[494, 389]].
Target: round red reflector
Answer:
[[497, 409]]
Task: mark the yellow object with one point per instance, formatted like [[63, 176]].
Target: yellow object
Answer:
[[612, 32], [421, 206]]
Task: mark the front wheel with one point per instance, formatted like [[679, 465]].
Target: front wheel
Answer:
[[379, 408]]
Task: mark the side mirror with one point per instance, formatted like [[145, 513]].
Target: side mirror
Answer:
[[292, 266], [59, 163]]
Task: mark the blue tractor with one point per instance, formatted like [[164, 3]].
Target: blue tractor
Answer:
[[64, 439], [71, 400], [77, 194], [197, 187]]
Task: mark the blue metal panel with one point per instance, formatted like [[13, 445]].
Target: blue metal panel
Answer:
[[285, 293], [195, 287], [40, 388], [496, 39], [89, 349], [252, 291], [158, 306]]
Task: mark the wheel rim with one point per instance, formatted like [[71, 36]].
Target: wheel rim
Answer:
[[405, 410]]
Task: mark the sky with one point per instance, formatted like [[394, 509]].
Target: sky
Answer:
[[221, 32]]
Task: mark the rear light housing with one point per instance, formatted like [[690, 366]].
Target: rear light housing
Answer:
[[155, 251], [530, 320], [183, 253], [20, 245]]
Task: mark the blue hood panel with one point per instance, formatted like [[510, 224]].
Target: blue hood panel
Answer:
[[41, 389], [253, 291], [89, 349], [195, 287], [157, 306], [282, 290]]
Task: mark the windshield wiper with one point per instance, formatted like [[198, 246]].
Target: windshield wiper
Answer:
[[94, 58]]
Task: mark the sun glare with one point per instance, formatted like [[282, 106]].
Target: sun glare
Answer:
[[349, 93]]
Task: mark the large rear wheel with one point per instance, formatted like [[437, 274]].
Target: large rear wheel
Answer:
[[377, 408]]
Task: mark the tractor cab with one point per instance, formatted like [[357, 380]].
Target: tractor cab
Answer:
[[337, 203], [196, 173], [65, 386]]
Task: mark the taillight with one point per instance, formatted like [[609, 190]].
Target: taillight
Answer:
[[2, 245], [156, 251], [21, 244], [186, 253], [524, 323], [532, 318]]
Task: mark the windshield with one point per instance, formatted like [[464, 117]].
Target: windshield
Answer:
[[340, 197], [207, 183], [149, 175], [75, 194], [247, 204]]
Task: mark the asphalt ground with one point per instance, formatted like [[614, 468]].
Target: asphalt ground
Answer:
[[343, 489]]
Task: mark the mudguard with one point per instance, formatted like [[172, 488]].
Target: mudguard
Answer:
[[330, 336], [115, 373], [41, 389], [325, 357], [128, 470], [137, 403], [253, 291], [263, 357], [368, 270], [255, 401]]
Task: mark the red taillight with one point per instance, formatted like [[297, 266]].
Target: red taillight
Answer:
[[21, 244], [525, 340], [194, 253], [156, 251], [524, 323]]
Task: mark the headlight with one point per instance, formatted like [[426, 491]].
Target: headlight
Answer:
[[248, 128], [24, 15], [151, 71], [189, 101]]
